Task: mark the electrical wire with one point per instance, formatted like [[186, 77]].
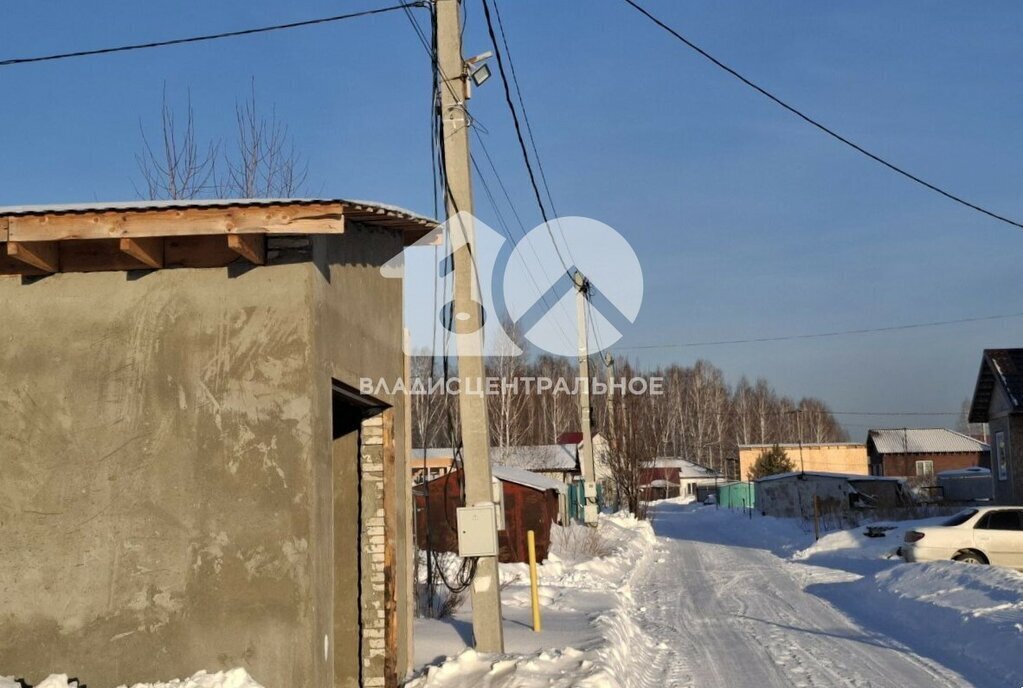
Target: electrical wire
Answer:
[[529, 129], [10, 62], [821, 335], [813, 122], [518, 132], [439, 76]]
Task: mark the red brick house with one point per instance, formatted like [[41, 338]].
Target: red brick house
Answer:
[[923, 452]]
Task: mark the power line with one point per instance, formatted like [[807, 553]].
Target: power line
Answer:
[[821, 335], [830, 132], [208, 37], [518, 131], [529, 127], [439, 76]]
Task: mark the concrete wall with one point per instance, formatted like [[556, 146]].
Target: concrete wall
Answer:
[[824, 458], [167, 500], [793, 497]]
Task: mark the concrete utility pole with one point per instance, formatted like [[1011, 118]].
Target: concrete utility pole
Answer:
[[468, 313], [588, 469]]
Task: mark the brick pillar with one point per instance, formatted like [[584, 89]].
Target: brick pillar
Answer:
[[378, 622]]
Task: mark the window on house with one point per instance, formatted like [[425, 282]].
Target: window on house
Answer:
[[1001, 456], [925, 469]]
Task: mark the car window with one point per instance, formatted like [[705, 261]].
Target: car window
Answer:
[[960, 518], [1001, 520]]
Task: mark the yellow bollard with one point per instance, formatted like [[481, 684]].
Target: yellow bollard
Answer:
[[533, 588]]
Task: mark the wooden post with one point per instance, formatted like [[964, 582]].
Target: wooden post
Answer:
[[816, 517], [533, 586]]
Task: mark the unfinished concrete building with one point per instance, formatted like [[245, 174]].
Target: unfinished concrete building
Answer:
[[190, 479]]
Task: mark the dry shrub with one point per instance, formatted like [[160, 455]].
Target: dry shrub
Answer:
[[578, 543]]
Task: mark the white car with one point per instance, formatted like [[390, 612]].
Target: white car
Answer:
[[984, 535]]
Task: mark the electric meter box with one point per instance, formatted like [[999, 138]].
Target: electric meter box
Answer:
[[477, 530]]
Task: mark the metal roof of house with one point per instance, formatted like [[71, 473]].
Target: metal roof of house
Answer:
[[366, 209], [1004, 366], [431, 453], [686, 469], [923, 441], [521, 476], [851, 477], [804, 445], [544, 457], [88, 237]]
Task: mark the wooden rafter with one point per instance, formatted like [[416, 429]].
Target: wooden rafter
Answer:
[[43, 255], [148, 251], [41, 240], [251, 247]]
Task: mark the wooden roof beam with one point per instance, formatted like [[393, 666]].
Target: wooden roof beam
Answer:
[[117, 224], [43, 255], [145, 250], [251, 247]]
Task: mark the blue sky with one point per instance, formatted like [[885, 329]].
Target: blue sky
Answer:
[[748, 223]]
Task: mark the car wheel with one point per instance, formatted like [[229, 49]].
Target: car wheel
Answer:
[[969, 558]]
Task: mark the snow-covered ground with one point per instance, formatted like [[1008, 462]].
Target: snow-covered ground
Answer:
[[580, 596], [236, 678], [717, 599]]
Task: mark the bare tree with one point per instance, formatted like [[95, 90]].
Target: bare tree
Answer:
[[265, 164], [262, 161], [509, 413], [177, 168]]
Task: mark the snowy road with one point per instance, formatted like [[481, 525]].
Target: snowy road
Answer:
[[721, 610]]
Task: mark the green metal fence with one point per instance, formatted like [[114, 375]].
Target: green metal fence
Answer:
[[736, 495]]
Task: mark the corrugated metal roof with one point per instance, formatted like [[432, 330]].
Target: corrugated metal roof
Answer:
[[923, 441], [552, 457], [521, 476], [686, 469], [544, 457], [818, 474], [143, 205], [432, 453]]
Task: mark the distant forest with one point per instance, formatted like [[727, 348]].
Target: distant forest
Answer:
[[698, 416]]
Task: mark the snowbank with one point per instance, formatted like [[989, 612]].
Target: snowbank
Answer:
[[855, 544], [235, 678], [586, 629], [963, 615]]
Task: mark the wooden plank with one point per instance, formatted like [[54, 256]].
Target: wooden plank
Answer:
[[197, 252], [251, 247], [44, 255], [311, 219], [12, 266], [97, 255], [148, 251], [4, 226]]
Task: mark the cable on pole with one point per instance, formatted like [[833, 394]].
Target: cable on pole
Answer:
[[518, 131], [10, 62], [821, 335], [815, 123]]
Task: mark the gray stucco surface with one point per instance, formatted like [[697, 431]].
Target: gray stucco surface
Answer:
[[167, 500]]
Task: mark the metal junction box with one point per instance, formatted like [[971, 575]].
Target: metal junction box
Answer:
[[477, 531]]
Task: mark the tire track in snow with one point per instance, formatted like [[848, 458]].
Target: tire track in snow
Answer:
[[710, 614]]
